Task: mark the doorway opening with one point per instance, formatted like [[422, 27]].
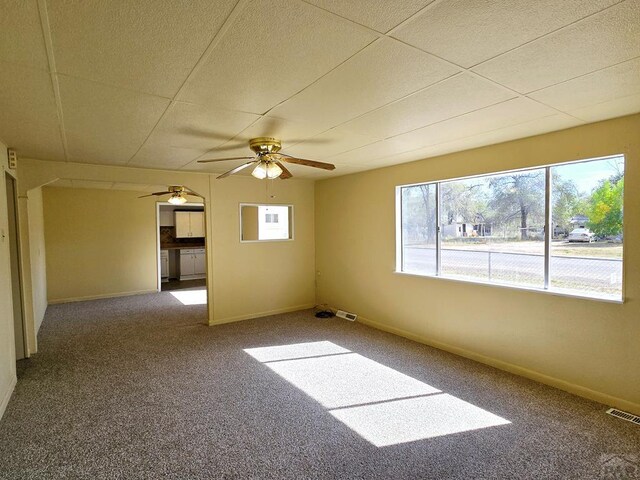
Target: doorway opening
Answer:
[[182, 260], [16, 279]]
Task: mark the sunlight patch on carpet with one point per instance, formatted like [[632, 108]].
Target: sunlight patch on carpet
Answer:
[[382, 405], [295, 350], [412, 419], [191, 297]]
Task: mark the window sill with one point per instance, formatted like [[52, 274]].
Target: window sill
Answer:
[[550, 291]]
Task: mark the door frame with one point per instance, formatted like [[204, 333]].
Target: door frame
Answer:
[[158, 260], [20, 310]]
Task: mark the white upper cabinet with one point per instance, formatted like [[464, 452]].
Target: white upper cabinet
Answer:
[[189, 224], [197, 224]]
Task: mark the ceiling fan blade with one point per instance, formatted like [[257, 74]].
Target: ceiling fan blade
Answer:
[[308, 163], [156, 193], [237, 169], [188, 191], [285, 173], [224, 159]]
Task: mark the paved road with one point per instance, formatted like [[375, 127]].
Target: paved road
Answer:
[[600, 275]]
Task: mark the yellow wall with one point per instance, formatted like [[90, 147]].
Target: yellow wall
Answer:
[[99, 243], [243, 280], [588, 347], [249, 223], [7, 342], [258, 278], [37, 255]]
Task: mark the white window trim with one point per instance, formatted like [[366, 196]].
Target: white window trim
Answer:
[[547, 288]]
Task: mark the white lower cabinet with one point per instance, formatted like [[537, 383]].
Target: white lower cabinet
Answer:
[[193, 263], [164, 265]]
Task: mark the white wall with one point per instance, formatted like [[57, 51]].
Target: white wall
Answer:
[[7, 341]]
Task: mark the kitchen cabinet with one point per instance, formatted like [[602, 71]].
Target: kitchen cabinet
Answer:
[[189, 224], [193, 263]]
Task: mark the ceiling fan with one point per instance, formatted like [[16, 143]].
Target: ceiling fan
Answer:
[[268, 160], [178, 194]]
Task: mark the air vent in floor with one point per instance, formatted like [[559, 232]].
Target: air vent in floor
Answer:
[[629, 417]]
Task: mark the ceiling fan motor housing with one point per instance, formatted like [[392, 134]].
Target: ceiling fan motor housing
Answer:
[[265, 145]]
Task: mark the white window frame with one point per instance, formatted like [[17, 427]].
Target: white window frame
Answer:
[[547, 288]]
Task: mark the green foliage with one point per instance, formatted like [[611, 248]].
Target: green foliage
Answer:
[[567, 202], [605, 208]]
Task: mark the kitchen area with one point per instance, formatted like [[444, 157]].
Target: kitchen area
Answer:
[[181, 236]]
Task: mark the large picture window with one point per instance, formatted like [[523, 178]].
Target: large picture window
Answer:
[[493, 228]]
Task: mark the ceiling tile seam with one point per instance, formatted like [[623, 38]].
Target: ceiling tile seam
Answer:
[[153, 129], [584, 75], [48, 43], [468, 137], [451, 118], [384, 106], [497, 130], [477, 75], [322, 76], [548, 34], [410, 149], [373, 140], [602, 103], [260, 117], [522, 95], [224, 28], [226, 25], [111, 85], [359, 25], [415, 15], [215, 107]]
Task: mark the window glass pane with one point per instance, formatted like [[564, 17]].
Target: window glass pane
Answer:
[[492, 228], [586, 250], [419, 229], [273, 222]]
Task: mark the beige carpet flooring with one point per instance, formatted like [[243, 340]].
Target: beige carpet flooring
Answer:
[[139, 388]]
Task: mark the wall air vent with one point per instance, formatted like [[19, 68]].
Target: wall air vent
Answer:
[[346, 315], [624, 415]]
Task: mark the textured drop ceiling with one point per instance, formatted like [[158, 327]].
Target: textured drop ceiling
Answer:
[[362, 84]]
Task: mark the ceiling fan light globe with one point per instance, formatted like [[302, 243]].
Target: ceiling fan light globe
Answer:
[[177, 199], [273, 171], [260, 172]]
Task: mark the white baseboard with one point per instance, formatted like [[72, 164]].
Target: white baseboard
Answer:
[[579, 390], [97, 297], [7, 396], [262, 314]]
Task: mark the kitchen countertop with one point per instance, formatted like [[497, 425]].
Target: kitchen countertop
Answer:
[[178, 246]]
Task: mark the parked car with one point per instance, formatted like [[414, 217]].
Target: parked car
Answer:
[[581, 235]]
